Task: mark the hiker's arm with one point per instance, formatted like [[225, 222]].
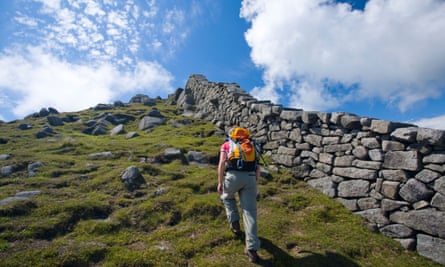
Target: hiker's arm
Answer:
[[221, 168]]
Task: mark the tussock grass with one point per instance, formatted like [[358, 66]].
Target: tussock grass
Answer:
[[85, 217]]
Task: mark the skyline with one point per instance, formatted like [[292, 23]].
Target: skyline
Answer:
[[378, 59]]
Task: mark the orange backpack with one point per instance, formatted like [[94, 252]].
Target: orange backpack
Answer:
[[242, 154]]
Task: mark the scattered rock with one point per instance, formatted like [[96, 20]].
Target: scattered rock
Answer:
[[149, 122], [25, 126], [131, 135], [120, 129], [4, 156], [24, 195], [33, 167], [54, 121], [6, 171], [100, 155], [198, 157], [132, 178]]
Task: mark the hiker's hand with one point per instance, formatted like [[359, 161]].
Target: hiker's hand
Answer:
[[220, 188]]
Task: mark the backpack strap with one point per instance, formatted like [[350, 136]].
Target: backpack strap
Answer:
[[239, 162]]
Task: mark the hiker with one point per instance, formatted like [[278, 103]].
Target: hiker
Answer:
[[236, 173]]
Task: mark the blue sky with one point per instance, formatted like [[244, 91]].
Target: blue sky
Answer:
[[378, 58]]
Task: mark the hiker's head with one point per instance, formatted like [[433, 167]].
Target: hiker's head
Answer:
[[231, 129], [239, 133]]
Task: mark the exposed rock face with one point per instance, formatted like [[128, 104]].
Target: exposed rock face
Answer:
[[390, 173]]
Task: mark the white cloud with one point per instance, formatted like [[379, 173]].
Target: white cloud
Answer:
[[118, 19], [94, 9], [304, 95], [41, 80], [434, 123], [393, 49], [65, 50], [113, 28], [25, 20]]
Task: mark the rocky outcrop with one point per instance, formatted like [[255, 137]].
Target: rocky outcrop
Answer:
[[391, 174]]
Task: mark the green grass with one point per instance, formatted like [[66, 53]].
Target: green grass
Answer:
[[84, 216]]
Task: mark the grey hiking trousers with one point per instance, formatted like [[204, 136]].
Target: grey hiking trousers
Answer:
[[245, 184]]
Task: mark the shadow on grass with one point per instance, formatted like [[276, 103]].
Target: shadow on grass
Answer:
[[281, 257]]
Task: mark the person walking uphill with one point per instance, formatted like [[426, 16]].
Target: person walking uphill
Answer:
[[238, 172]]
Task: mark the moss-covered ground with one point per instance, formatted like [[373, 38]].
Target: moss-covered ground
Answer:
[[84, 216]]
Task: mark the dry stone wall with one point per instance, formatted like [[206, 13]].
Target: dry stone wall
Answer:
[[392, 174]]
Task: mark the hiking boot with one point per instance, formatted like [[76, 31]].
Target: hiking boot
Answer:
[[235, 227], [253, 256]]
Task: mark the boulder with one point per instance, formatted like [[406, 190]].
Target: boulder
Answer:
[[350, 122], [427, 176], [431, 247], [388, 145], [309, 117], [438, 201], [54, 121], [131, 135], [394, 175], [132, 178], [405, 160], [6, 171], [355, 173], [397, 231], [414, 191], [427, 220], [439, 185], [390, 205], [390, 189], [435, 157], [353, 188], [23, 195], [100, 155], [350, 204], [325, 185], [149, 122], [431, 136], [25, 126], [386, 127], [291, 114], [368, 203], [408, 134], [4, 156], [198, 157], [45, 132], [375, 154], [33, 167], [120, 129], [375, 216]]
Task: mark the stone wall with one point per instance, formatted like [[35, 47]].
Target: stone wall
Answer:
[[392, 174]]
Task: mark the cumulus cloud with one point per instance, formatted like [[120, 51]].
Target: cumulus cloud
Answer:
[[392, 50], [434, 123], [41, 80]]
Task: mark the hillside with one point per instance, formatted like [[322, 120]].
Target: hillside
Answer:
[[71, 207]]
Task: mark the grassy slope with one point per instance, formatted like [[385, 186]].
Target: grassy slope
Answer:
[[85, 217]]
